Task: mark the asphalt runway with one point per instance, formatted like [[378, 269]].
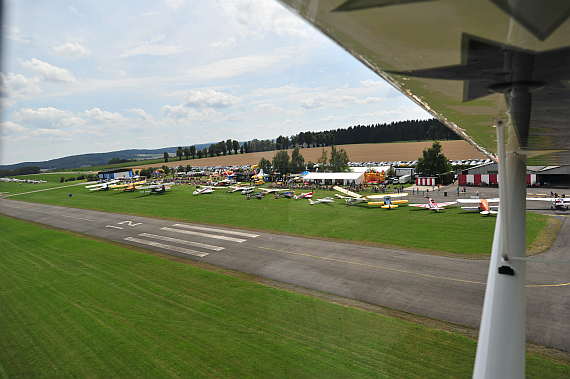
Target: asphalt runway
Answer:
[[449, 289]]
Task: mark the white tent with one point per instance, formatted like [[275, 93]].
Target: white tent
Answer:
[[335, 177]]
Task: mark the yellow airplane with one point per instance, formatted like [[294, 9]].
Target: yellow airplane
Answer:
[[385, 201]]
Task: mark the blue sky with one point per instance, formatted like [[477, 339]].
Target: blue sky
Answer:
[[98, 76]]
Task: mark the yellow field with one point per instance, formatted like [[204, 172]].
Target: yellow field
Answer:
[[357, 153]]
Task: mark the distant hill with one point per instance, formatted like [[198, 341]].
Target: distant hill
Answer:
[[97, 159]]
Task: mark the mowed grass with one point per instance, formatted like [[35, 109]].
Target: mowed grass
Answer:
[[452, 231], [76, 307]]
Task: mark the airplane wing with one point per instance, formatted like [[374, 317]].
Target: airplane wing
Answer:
[[347, 192], [419, 205]]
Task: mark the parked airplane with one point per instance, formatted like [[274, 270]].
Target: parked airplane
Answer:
[[432, 205], [288, 194], [128, 186], [258, 195], [101, 186], [481, 205], [385, 201], [323, 200], [304, 195], [273, 190], [557, 202], [203, 190], [237, 188], [156, 188]]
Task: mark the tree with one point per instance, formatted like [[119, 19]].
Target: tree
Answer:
[[322, 161], [199, 153], [235, 145], [264, 165], [186, 152], [297, 161], [165, 157], [212, 150], [229, 146], [281, 162], [179, 153], [339, 160], [433, 162], [192, 151]]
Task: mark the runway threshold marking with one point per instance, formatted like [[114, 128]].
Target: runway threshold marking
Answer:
[[182, 242], [226, 238], [235, 233], [167, 247], [403, 271]]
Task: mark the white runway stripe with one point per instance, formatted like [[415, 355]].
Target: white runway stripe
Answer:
[[167, 247], [182, 242], [238, 240], [217, 230]]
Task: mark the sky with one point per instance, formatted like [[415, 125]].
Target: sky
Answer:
[[97, 76]]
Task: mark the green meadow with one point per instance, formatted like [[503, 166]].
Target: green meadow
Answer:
[[79, 307], [452, 231]]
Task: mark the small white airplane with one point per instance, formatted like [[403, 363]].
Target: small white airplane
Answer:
[[304, 195], [481, 205], [237, 188], [102, 184], [324, 200], [432, 205], [386, 201], [556, 202], [203, 190]]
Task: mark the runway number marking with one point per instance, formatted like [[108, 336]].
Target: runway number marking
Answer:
[[113, 226], [226, 238], [129, 223]]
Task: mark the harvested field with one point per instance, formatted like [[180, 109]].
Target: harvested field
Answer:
[[357, 153]]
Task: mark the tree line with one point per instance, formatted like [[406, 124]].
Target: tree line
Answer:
[[411, 130], [26, 170]]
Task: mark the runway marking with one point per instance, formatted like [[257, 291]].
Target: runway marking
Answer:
[[113, 226], [129, 223], [403, 271], [183, 242], [76, 218], [167, 247], [232, 239], [217, 230]]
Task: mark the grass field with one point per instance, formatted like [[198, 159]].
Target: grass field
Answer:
[[77, 307], [452, 231]]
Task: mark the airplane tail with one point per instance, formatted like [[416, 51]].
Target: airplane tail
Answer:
[[312, 202]]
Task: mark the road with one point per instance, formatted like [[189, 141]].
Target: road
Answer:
[[449, 289]]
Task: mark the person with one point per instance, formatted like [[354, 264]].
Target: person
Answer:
[[477, 193]]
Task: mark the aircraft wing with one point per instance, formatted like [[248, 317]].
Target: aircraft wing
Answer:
[[347, 192], [419, 205], [464, 73], [390, 195]]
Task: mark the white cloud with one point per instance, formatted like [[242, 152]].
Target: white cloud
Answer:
[[262, 16], [235, 67], [48, 118], [16, 87], [142, 116], [183, 114], [153, 47], [48, 72], [97, 116], [55, 134], [8, 127], [209, 99], [14, 33], [72, 10], [271, 110], [72, 49], [175, 4], [222, 44]]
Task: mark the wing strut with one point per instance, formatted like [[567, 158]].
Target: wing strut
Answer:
[[501, 345]]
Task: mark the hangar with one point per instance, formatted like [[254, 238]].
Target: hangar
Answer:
[[116, 173], [487, 174], [345, 178]]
